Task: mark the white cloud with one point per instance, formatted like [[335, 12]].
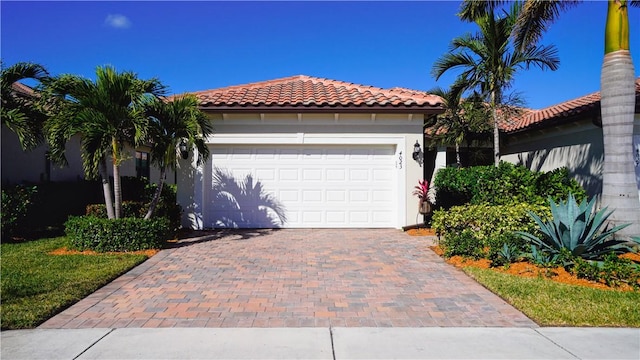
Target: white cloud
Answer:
[[117, 21]]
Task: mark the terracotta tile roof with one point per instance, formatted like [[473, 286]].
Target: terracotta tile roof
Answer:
[[22, 89], [558, 112], [308, 93]]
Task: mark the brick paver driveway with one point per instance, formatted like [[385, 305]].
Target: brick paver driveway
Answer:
[[293, 278]]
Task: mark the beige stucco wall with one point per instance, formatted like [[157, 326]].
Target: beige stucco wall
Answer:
[[20, 166], [578, 147], [400, 129]]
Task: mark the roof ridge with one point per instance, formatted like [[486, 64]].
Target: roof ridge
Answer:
[[305, 90], [313, 79]]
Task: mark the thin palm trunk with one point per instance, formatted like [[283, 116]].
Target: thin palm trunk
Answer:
[[156, 196], [458, 154], [619, 187], [106, 189], [496, 130], [117, 188]]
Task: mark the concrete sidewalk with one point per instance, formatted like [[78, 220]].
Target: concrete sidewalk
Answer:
[[323, 343]]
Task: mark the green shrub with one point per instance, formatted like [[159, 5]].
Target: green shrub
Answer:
[[463, 243], [613, 271], [167, 206], [16, 201], [502, 185], [577, 229], [490, 225], [126, 234], [129, 209]]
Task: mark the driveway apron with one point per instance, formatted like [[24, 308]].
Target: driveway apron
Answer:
[[293, 278]]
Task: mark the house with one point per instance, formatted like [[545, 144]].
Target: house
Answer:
[[569, 135], [19, 166], [307, 152]]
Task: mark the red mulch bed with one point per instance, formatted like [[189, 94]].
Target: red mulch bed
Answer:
[[526, 269]]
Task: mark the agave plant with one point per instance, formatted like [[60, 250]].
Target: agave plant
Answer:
[[576, 228]]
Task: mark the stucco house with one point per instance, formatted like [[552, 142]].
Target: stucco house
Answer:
[[307, 152], [567, 134], [32, 167]]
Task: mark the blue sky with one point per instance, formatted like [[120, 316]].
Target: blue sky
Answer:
[[202, 45]]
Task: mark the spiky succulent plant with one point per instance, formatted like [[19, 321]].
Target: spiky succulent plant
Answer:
[[578, 229]]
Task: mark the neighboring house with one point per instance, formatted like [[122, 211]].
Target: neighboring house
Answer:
[[306, 152], [568, 134], [18, 166]]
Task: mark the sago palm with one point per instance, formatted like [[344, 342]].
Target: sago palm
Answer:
[[489, 62], [19, 112], [617, 104], [170, 124], [107, 113]]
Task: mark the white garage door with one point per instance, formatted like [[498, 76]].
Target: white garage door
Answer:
[[301, 186]]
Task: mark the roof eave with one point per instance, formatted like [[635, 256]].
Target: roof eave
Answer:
[[324, 109]]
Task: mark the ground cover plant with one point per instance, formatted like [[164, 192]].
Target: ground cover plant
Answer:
[[36, 284]]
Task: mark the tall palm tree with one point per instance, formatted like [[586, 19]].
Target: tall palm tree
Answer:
[[171, 124], [463, 119], [18, 111], [489, 62], [107, 113], [617, 104]]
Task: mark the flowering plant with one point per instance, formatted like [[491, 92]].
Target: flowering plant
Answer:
[[421, 189]]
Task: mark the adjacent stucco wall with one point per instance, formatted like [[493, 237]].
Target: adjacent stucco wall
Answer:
[[578, 147], [403, 130], [20, 166]]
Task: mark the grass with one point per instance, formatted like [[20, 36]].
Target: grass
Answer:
[[36, 285], [554, 304]]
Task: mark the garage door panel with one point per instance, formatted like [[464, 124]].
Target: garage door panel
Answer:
[[288, 175], [312, 186]]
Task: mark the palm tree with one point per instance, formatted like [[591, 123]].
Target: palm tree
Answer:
[[617, 93], [463, 119], [489, 62], [18, 111], [107, 113], [172, 124]]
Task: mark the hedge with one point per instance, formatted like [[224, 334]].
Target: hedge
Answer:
[[502, 185], [476, 230], [126, 234]]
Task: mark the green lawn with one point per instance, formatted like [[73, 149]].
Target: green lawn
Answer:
[[553, 304], [36, 285]]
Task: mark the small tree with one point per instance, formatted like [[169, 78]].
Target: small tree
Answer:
[[171, 124], [107, 113], [464, 120], [489, 62]]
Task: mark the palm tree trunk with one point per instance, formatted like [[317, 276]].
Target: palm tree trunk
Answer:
[[619, 187], [117, 188], [156, 196], [617, 106], [496, 131], [106, 189], [458, 162]]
